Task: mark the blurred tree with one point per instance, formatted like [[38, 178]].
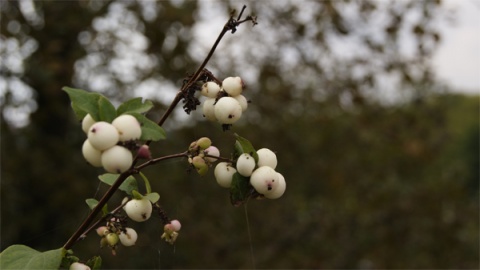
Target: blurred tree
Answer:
[[382, 171]]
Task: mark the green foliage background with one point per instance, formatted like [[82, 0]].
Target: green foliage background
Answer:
[[370, 183]]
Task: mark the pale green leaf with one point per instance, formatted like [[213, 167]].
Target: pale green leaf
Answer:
[[23, 257]]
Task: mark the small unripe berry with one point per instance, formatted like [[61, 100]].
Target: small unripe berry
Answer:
[[209, 109], [228, 110], [103, 135], [87, 123], [279, 189], [233, 86], [210, 89], [129, 238], [112, 239], [200, 165], [78, 266], [245, 164], [204, 142], [212, 151], [224, 173], [266, 157], [264, 180], [117, 159], [144, 152], [139, 210], [242, 100], [128, 127], [91, 154], [176, 225]]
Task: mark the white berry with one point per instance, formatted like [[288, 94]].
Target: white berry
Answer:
[[103, 135], [210, 89], [266, 157], [228, 110], [224, 173], [233, 86], [139, 210], [242, 100], [245, 164], [212, 151], [129, 238], [78, 266], [87, 122], [209, 109], [117, 159], [128, 127], [264, 180], [92, 155], [279, 189]]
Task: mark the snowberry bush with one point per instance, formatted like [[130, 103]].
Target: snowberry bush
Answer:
[[117, 140]]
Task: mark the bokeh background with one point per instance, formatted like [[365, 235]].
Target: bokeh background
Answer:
[[381, 157]]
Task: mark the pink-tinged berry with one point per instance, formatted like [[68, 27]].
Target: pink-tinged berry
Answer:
[[144, 152], [212, 151], [176, 225]]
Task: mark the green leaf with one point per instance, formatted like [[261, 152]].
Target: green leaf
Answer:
[[243, 145], [92, 203], [23, 257], [153, 197], [106, 110], [240, 190], [148, 187], [95, 262], [150, 130], [134, 105], [128, 185], [84, 102]]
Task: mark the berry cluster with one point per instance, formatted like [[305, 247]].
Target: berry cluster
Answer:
[[263, 177], [102, 149], [224, 104], [116, 231], [202, 154]]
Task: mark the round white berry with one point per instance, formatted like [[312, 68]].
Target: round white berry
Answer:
[[264, 180], [242, 100], [224, 173], [278, 191], [209, 109], [212, 151], [245, 164], [233, 86], [139, 210], [210, 89], [128, 127], [129, 238], [103, 135], [228, 110], [266, 157], [117, 159], [92, 155], [87, 122], [78, 266]]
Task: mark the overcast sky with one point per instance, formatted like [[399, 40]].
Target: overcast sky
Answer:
[[458, 58]]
